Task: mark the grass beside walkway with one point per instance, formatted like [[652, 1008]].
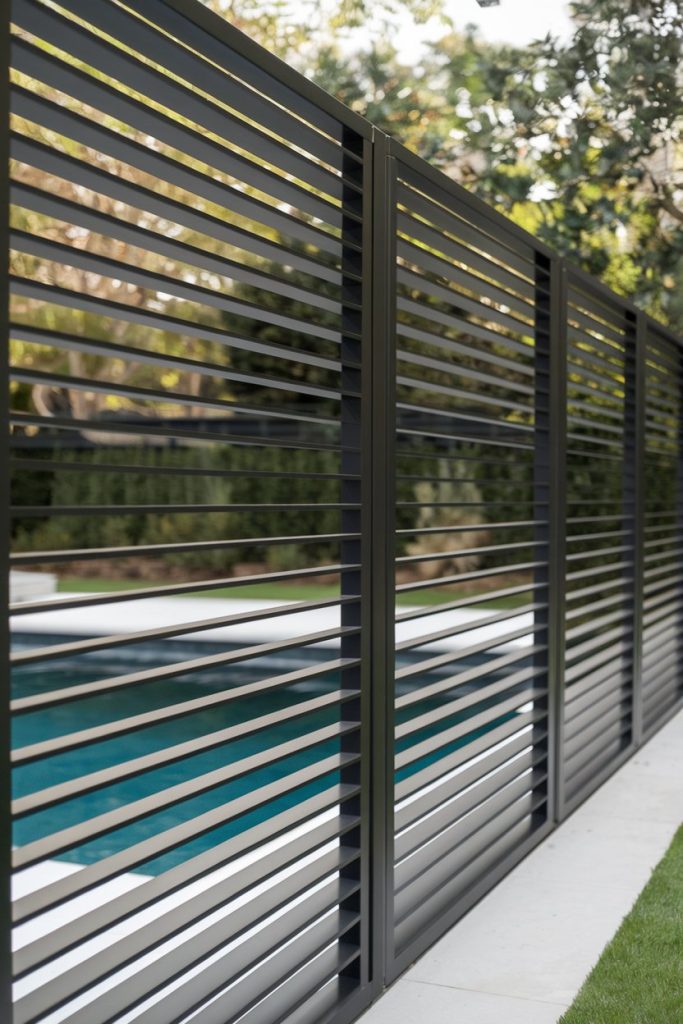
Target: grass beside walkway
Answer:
[[639, 977]]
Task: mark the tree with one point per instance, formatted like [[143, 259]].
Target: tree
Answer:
[[578, 142]]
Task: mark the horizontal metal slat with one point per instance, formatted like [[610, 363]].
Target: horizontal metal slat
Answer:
[[81, 259], [505, 429], [601, 386], [577, 705], [439, 853], [600, 570], [281, 826], [118, 147], [584, 610], [471, 335], [98, 643], [438, 241], [591, 626], [578, 594], [292, 987], [49, 796], [93, 875], [439, 208], [663, 685], [622, 649], [576, 651], [151, 241], [466, 576], [85, 554], [581, 341], [484, 549], [595, 323], [483, 313], [524, 748], [48, 511], [123, 312], [664, 629], [28, 607], [485, 718], [615, 718], [595, 677], [190, 952], [133, 74], [589, 761], [84, 737], [474, 398], [521, 724], [612, 396], [96, 179], [590, 552], [607, 706], [59, 842], [421, 260], [466, 627], [217, 41], [439, 660], [475, 674], [321, 1007], [159, 398], [139, 428], [196, 990], [456, 370], [91, 346], [504, 850], [515, 774], [475, 848]]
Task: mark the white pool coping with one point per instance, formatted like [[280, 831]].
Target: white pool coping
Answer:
[[133, 615]]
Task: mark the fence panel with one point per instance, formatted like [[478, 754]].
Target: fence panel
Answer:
[[662, 594], [190, 374], [600, 564], [471, 536], [345, 533]]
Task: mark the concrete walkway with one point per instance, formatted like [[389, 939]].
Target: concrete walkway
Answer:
[[521, 955]]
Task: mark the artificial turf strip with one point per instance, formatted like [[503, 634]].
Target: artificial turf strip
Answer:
[[639, 977]]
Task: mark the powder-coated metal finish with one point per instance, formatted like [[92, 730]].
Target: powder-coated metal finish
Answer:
[[255, 344]]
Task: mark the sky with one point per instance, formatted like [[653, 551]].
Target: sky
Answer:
[[514, 21]]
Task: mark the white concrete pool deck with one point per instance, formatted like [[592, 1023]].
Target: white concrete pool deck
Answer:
[[521, 955], [162, 612]]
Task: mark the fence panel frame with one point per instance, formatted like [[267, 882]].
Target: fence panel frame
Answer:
[[376, 410], [494, 223], [6, 1012]]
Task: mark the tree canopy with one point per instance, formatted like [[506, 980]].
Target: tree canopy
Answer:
[[578, 141]]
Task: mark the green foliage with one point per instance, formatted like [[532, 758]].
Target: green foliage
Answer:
[[93, 484], [580, 143]]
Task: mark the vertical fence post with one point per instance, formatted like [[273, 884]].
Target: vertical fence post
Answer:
[[5, 774], [555, 310], [355, 581], [542, 504], [679, 518], [383, 545], [634, 501]]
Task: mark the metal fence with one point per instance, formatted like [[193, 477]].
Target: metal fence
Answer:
[[363, 507]]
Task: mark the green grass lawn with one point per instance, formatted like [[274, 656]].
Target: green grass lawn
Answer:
[[282, 592], [639, 977]]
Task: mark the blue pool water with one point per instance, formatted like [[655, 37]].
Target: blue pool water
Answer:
[[83, 714]]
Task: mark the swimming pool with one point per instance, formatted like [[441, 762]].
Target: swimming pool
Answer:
[[109, 707]]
